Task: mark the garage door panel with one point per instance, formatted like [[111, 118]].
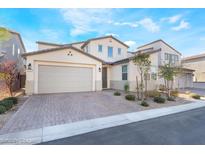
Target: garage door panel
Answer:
[[56, 79]]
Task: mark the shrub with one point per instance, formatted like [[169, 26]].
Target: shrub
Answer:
[[174, 93], [196, 96], [117, 93], [159, 99], [14, 99], [145, 104], [2, 109], [130, 97], [7, 104], [153, 93], [170, 99], [126, 87]]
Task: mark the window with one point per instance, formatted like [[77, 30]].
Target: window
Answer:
[[124, 72], [154, 76], [99, 48], [119, 51], [110, 51], [86, 48], [166, 56]]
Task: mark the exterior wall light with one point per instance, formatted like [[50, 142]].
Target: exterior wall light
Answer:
[[29, 66], [99, 69]]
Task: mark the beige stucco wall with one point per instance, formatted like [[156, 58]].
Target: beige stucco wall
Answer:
[[93, 49], [61, 58], [198, 66], [164, 49]]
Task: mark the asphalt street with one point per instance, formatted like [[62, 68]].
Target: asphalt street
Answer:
[[179, 129]]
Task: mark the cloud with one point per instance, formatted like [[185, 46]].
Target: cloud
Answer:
[[149, 24], [130, 24], [113, 34], [84, 20], [172, 19], [183, 25], [131, 44]]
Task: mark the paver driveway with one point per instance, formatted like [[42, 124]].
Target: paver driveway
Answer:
[[53, 109]]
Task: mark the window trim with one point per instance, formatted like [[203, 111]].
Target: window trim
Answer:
[[125, 72]]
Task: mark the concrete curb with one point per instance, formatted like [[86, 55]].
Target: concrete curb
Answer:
[[71, 129]]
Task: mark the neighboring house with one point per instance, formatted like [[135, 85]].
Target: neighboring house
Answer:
[[11, 50], [93, 65], [196, 62]]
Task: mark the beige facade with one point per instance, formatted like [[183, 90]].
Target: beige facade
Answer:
[[196, 64], [61, 58], [85, 57]]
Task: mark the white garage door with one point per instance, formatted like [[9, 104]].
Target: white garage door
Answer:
[[56, 79]]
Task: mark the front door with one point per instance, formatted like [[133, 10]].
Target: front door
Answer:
[[104, 77]]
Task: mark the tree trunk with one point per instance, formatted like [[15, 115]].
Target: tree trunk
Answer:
[[137, 88], [146, 87], [142, 89]]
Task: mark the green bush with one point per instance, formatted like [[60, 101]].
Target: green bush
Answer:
[[2, 109], [130, 97], [126, 87], [117, 93], [145, 104], [170, 99], [8, 104], [174, 93], [159, 99], [14, 99], [153, 93], [196, 96]]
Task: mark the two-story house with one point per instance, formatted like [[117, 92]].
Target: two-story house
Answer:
[[93, 65], [11, 50]]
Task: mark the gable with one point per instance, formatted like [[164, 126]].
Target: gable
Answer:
[[63, 54]]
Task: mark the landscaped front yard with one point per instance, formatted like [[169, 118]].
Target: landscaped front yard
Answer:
[[54, 109]]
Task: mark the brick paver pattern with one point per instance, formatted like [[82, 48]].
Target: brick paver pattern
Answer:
[[54, 109]]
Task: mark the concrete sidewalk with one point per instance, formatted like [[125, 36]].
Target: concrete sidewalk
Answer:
[[67, 130]]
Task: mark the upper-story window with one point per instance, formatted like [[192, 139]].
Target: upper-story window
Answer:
[[86, 48], [124, 72], [171, 58], [110, 51], [119, 51], [99, 48]]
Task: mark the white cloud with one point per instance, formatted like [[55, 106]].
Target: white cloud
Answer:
[[172, 19], [149, 24], [130, 24], [113, 34], [131, 44], [183, 25], [84, 20]]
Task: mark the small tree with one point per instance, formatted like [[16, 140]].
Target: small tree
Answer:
[[5, 35], [143, 63], [9, 73], [168, 72]]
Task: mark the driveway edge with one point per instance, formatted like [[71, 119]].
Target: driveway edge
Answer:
[[71, 129]]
